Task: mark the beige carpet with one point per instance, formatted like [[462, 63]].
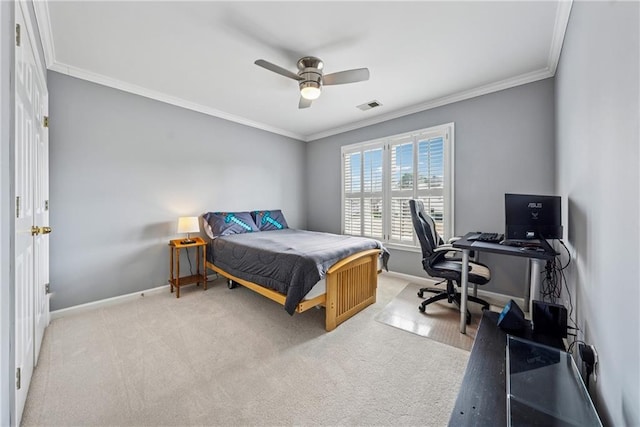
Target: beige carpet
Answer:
[[440, 322], [232, 357]]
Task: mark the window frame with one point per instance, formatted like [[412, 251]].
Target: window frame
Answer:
[[447, 132]]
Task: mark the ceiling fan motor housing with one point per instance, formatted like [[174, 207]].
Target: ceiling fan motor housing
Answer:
[[311, 76], [310, 62], [310, 72]]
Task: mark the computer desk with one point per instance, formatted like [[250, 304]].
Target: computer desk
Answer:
[[537, 259]]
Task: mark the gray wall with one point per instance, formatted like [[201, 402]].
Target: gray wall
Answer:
[[597, 105], [124, 168], [118, 183], [504, 142]]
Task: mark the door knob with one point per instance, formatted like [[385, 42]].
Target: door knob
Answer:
[[35, 230]]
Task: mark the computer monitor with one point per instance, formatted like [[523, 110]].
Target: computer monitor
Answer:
[[532, 217]]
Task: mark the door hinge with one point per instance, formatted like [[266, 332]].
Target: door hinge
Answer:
[[18, 382], [17, 206], [46, 205], [17, 34], [47, 289], [45, 121]]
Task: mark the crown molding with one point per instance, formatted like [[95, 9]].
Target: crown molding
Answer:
[[460, 96], [43, 21], [159, 96], [163, 97], [559, 29]]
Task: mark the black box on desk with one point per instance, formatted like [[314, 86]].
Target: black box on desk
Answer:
[[512, 319], [549, 319]]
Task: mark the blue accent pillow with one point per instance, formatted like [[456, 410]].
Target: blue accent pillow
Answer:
[[225, 223], [269, 220]]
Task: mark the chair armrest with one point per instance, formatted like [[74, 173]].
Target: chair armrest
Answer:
[[446, 248], [453, 239]]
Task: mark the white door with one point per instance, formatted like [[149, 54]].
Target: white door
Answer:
[[41, 219], [31, 188]]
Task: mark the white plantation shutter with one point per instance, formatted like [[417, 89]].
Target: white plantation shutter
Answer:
[[401, 225], [352, 220], [402, 188], [380, 177], [431, 188], [363, 187], [402, 164], [372, 220], [372, 195], [434, 206]]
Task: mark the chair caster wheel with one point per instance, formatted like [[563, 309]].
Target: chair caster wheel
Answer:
[[420, 294], [231, 284], [421, 308]]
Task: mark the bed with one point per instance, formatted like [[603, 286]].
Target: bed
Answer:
[[298, 269]]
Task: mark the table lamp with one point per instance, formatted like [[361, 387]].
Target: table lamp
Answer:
[[188, 224]]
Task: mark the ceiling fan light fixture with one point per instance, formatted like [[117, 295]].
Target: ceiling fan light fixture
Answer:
[[311, 79], [310, 90]]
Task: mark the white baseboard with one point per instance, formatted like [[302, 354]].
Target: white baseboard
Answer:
[[105, 302], [493, 297]]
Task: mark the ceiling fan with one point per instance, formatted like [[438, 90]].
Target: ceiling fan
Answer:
[[311, 79]]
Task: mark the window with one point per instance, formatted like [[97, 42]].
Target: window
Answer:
[[380, 177]]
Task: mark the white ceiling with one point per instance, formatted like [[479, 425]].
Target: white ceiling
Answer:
[[200, 55]]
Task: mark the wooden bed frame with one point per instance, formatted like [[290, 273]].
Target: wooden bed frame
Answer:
[[351, 286]]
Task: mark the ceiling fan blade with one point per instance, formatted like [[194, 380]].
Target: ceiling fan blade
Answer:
[[304, 103], [348, 76], [277, 69]]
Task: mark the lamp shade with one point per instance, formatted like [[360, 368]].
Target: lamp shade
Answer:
[[188, 224]]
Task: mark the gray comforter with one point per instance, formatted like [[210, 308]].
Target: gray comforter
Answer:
[[288, 261]]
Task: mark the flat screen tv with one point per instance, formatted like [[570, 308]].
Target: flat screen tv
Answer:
[[532, 217]]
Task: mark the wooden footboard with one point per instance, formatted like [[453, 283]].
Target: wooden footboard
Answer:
[[351, 286]]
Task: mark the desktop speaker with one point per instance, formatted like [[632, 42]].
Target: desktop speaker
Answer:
[[549, 319], [511, 318]]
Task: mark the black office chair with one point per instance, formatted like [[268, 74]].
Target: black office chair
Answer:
[[438, 262]]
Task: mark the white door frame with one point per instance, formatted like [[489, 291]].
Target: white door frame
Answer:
[[7, 13]]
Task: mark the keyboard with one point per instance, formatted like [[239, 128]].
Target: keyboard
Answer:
[[522, 243], [487, 237]]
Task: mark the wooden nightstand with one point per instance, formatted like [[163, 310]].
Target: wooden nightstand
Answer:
[[176, 281]]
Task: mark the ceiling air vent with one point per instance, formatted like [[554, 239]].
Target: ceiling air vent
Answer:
[[369, 105]]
